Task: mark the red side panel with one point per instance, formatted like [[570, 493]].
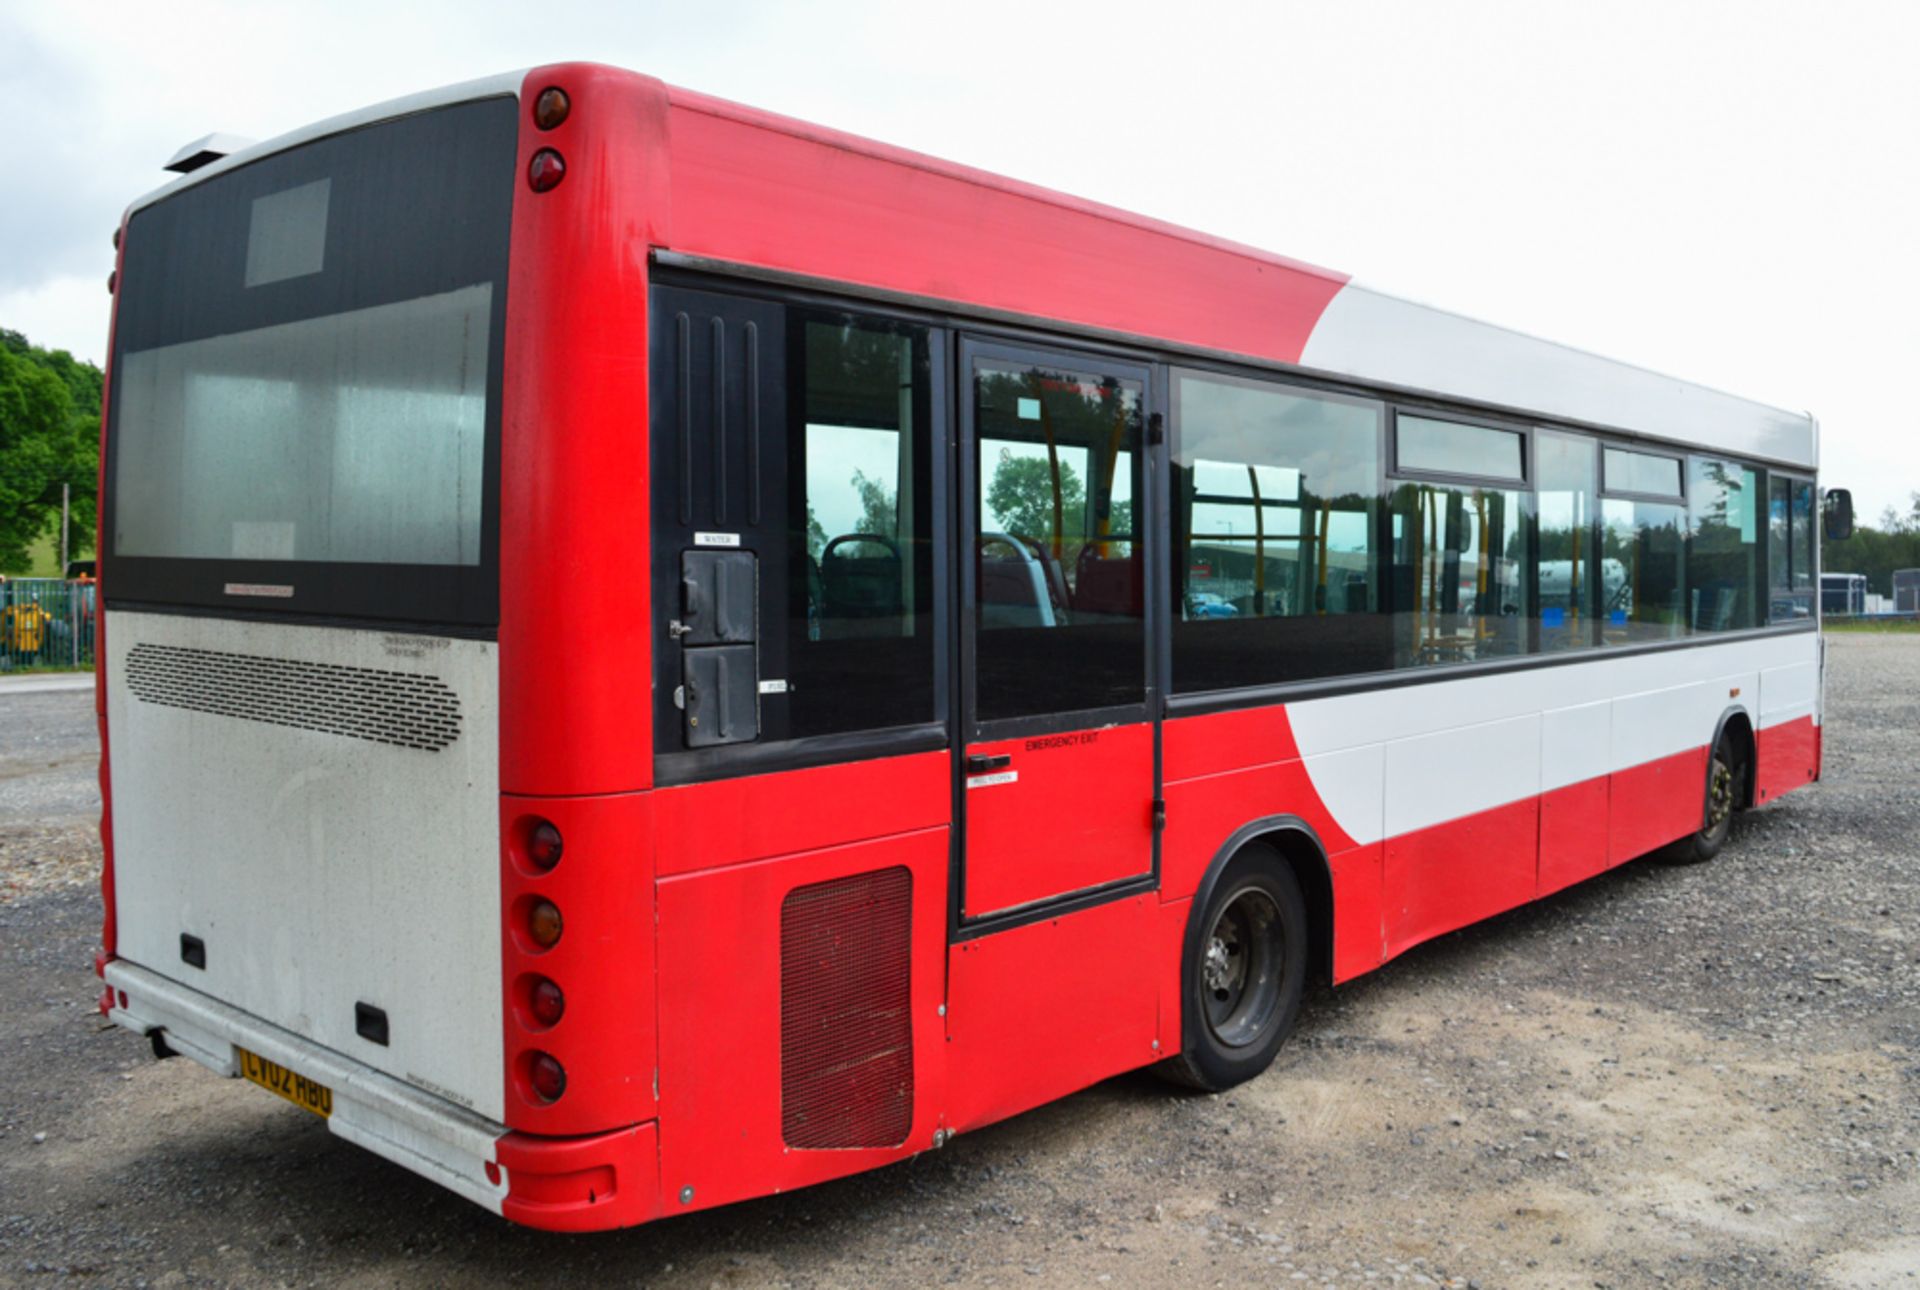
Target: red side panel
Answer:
[[727, 821], [109, 931], [1169, 953], [582, 1184], [720, 1020], [1359, 911], [1071, 812], [1459, 872], [1789, 757], [574, 650], [1573, 833], [867, 214], [603, 961], [1013, 1045], [1227, 741], [1655, 803], [1204, 814]]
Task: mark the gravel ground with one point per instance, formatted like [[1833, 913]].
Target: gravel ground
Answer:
[[1704, 1076]]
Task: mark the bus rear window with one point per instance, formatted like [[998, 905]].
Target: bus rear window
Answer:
[[352, 437], [305, 394]]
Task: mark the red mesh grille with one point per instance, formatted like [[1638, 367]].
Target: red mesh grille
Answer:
[[846, 1040]]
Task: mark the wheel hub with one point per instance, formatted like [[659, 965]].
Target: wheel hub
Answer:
[[1222, 965]]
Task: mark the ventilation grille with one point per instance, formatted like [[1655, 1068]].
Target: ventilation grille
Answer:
[[846, 1036], [406, 709]]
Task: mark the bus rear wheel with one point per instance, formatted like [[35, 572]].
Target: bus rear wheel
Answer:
[[1726, 782], [1245, 974]]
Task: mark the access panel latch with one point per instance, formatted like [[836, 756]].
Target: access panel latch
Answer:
[[718, 633]]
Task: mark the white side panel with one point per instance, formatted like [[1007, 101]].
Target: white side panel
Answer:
[[1352, 786], [321, 869], [1576, 745], [1371, 336], [1435, 778], [1449, 748], [1787, 693]]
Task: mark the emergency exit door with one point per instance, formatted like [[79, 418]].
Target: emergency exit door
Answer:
[[1057, 755]]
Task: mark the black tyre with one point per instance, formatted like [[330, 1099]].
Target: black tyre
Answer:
[[1245, 972], [1726, 785]]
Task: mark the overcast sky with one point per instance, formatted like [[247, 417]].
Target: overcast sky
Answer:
[[1727, 192]]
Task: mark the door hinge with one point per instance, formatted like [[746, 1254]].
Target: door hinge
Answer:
[[1156, 430], [1159, 813]]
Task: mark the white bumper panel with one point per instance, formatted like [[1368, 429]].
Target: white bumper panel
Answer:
[[431, 1136]]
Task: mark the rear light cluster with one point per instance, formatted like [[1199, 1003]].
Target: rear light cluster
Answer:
[[548, 167], [540, 1001]]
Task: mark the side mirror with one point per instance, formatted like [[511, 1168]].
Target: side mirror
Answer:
[[1837, 514]]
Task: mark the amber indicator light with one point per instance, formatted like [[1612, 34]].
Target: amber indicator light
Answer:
[[551, 108], [543, 923]]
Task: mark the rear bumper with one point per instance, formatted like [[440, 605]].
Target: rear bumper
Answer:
[[429, 1135], [586, 1183]]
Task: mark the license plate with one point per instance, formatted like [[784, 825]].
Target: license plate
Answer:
[[304, 1093]]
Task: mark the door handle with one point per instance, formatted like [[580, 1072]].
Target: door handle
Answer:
[[981, 763]]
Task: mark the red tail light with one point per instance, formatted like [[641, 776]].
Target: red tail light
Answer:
[[546, 170], [548, 1076], [544, 845], [546, 1002]]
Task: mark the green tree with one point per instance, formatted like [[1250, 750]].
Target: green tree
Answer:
[[1021, 495], [879, 506], [49, 436]]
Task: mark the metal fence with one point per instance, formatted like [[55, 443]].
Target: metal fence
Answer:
[[45, 623]]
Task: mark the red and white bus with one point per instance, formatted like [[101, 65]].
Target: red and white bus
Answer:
[[657, 654]]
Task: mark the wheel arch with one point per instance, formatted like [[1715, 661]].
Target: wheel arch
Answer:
[[1300, 848], [1736, 724]]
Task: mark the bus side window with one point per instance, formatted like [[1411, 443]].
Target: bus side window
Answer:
[[1724, 577], [1570, 582], [1461, 590], [1276, 508], [860, 600]]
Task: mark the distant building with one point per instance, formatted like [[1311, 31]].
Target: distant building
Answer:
[[1843, 594], [1906, 591]]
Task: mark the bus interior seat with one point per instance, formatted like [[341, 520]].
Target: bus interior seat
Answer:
[[1014, 589], [1108, 585], [859, 590]]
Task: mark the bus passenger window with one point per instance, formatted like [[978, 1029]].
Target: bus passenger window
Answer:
[[1461, 586], [861, 583], [1723, 551], [1459, 560], [1571, 582], [1276, 502], [1643, 548], [1642, 553]]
